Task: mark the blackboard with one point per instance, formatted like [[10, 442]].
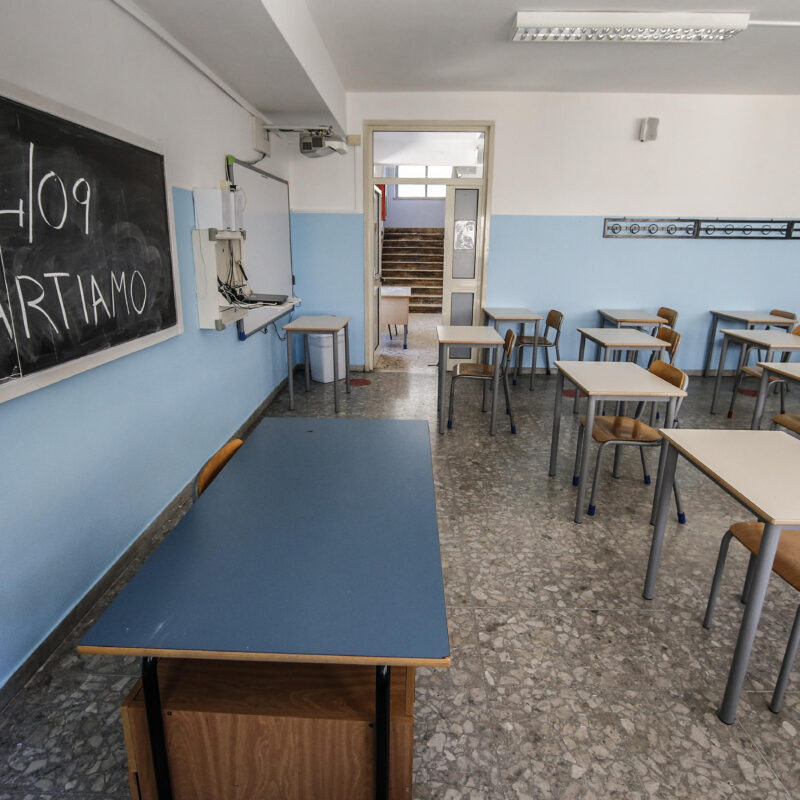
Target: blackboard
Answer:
[[85, 249]]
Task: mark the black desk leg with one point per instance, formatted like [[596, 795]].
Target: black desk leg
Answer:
[[383, 677], [155, 727]]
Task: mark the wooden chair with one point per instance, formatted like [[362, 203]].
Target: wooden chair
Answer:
[[485, 373], [553, 321], [673, 339], [214, 465], [789, 421], [786, 565], [777, 312], [617, 431], [754, 371], [669, 314]]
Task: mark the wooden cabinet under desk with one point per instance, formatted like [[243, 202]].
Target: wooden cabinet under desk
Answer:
[[257, 731]]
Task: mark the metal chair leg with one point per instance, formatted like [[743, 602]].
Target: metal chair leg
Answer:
[[617, 454], [508, 401], [678, 504], [450, 410], [520, 352], [782, 385], [390, 332], [786, 667], [578, 448], [592, 507], [484, 401], [736, 383], [645, 473], [748, 579], [715, 584], [547, 360]]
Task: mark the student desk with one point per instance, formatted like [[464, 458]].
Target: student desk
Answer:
[[520, 316], [789, 371], [771, 341], [634, 318], [757, 468], [612, 340], [296, 553], [467, 336], [605, 380], [750, 320], [394, 308], [327, 324]]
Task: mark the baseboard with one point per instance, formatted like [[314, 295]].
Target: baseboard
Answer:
[[142, 546]]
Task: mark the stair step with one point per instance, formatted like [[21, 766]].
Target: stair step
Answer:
[[413, 251], [425, 309]]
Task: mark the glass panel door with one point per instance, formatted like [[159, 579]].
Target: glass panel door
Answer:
[[463, 262]]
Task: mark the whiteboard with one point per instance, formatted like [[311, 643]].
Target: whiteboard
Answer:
[[268, 246]]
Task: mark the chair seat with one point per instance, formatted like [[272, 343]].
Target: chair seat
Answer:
[[790, 421], [787, 558], [622, 429], [469, 370], [757, 371], [527, 341]]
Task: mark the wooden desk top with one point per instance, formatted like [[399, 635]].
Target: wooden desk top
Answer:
[[789, 369], [776, 340], [479, 335], [624, 337], [637, 316], [511, 314], [616, 379], [395, 291], [323, 324], [298, 552], [755, 317], [759, 468]]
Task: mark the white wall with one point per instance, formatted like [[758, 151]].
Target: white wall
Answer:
[[418, 212], [91, 55], [577, 154]]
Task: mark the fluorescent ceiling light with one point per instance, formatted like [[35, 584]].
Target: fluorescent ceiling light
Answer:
[[626, 26]]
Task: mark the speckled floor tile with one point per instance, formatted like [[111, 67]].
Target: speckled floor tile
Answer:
[[565, 682], [577, 743]]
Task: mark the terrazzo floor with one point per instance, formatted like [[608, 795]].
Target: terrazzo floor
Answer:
[[422, 354], [565, 683]]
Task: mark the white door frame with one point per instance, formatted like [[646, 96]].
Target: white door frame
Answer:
[[370, 126]]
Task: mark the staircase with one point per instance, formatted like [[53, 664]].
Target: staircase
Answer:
[[413, 257]]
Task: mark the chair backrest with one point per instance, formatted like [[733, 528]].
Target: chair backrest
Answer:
[[796, 330], [665, 371], [508, 348], [776, 312], [672, 337], [669, 314], [214, 465], [554, 319]]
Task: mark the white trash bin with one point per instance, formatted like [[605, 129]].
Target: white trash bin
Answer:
[[320, 354]]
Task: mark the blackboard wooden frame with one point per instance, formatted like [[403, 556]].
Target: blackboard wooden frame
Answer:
[[37, 380]]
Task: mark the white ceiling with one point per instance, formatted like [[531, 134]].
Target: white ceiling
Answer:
[[238, 41], [464, 45]]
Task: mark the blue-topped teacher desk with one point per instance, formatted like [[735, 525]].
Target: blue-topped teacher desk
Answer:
[[298, 552]]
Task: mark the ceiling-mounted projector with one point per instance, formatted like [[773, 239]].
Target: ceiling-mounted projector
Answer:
[[313, 145]]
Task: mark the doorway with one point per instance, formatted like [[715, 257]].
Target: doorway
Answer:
[[426, 239]]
